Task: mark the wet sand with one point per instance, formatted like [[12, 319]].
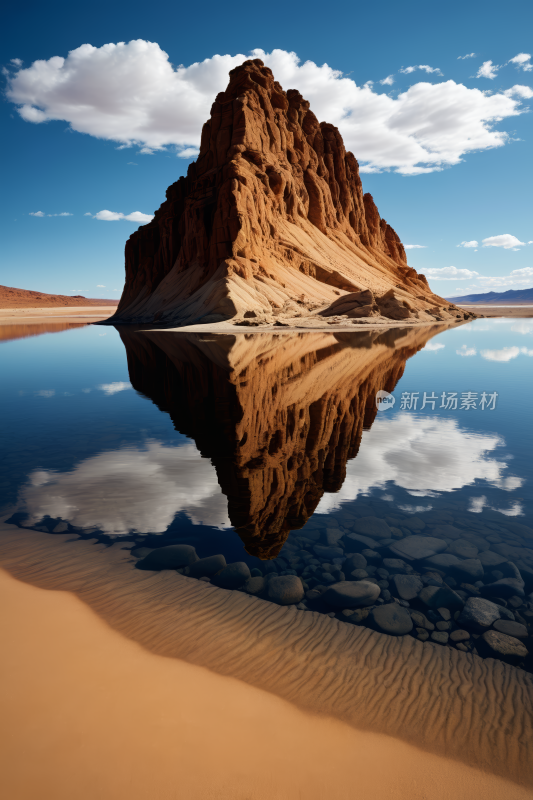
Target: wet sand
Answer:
[[273, 703], [88, 713]]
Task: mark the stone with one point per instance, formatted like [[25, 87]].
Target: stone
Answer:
[[414, 524], [233, 576], [447, 531], [415, 548], [406, 586], [355, 615], [421, 621], [359, 574], [333, 535], [515, 629], [372, 526], [396, 565], [351, 594], [462, 548], [478, 614], [267, 165], [392, 619], [173, 556], [371, 556], [141, 552], [490, 559], [327, 552], [256, 573], [436, 596], [422, 634], [357, 543], [498, 645], [459, 636], [462, 647], [469, 570], [355, 561], [504, 588], [206, 566], [442, 626], [442, 561], [441, 637], [285, 590], [255, 585]]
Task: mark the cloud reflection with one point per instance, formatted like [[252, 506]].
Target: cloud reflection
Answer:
[[130, 489], [424, 456]]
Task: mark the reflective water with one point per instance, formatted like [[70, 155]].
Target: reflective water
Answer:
[[230, 442]]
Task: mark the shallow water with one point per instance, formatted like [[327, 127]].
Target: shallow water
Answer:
[[230, 442]]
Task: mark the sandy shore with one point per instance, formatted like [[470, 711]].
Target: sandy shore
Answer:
[[501, 311], [64, 313], [87, 713], [119, 683]]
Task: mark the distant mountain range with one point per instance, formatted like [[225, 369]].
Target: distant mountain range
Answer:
[[512, 297]]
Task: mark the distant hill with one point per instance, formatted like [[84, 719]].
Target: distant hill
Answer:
[[24, 298], [510, 298]]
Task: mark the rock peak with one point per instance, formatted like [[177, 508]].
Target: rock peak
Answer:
[[270, 222]]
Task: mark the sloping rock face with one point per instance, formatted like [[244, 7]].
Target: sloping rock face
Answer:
[[269, 224], [278, 415]]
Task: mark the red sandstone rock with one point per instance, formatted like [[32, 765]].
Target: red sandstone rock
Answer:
[[270, 221]]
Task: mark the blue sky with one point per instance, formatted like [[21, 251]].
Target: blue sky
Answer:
[[426, 137]]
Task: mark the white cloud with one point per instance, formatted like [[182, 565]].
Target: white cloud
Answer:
[[473, 243], [188, 152], [432, 346], [505, 354], [388, 81], [466, 351], [468, 55], [522, 61], [17, 62], [131, 94], [505, 240], [415, 246], [100, 286], [42, 214], [450, 274], [519, 91], [87, 214], [487, 70], [423, 67], [116, 386], [518, 278], [424, 455], [45, 393], [525, 351], [130, 489], [132, 164], [112, 216]]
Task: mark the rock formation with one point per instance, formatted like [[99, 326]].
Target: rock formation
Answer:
[[270, 225], [278, 415]]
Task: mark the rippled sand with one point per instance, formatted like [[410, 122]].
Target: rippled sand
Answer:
[[273, 703], [88, 713]]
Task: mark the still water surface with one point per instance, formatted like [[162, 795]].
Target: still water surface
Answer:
[[132, 433]]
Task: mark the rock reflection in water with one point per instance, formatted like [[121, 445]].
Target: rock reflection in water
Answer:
[[279, 416]]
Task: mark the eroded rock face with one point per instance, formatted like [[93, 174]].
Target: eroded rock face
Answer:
[[278, 415], [270, 224]]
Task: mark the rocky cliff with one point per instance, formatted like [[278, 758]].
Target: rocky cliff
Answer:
[[278, 415], [270, 225]]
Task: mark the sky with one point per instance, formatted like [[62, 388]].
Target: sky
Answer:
[[103, 107]]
